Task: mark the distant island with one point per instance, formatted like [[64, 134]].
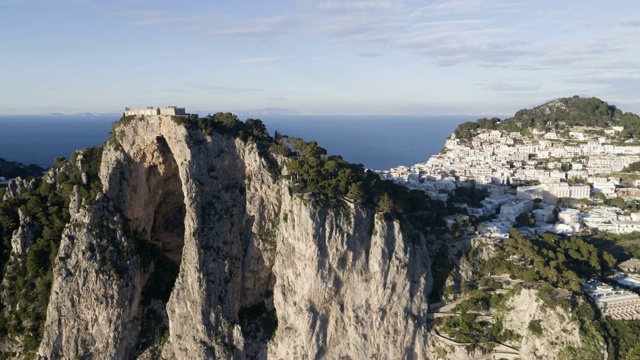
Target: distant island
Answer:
[[13, 169]]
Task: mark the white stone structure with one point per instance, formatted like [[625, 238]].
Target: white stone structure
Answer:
[[512, 209], [616, 303], [150, 110]]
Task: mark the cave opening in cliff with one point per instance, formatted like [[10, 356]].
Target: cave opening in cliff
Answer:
[[162, 219], [167, 230]]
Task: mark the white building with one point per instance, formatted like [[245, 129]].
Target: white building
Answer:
[[512, 209], [543, 215], [570, 217], [603, 185], [576, 135], [150, 110], [564, 190], [616, 303], [551, 136]]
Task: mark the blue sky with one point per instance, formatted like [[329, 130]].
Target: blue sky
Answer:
[[330, 56]]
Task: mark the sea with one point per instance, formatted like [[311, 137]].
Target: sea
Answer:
[[378, 142]]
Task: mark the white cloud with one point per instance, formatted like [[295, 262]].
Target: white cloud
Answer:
[[629, 23], [209, 24], [444, 33], [447, 7], [355, 5], [449, 23]]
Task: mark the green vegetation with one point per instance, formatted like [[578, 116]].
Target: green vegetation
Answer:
[[535, 327], [467, 329], [631, 124], [525, 219], [621, 246], [469, 129], [478, 301], [558, 260], [633, 167], [622, 338], [549, 258], [471, 196], [28, 278], [572, 111], [325, 180], [559, 115], [440, 268], [543, 263]]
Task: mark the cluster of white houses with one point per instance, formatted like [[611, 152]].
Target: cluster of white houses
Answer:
[[150, 110], [501, 157], [574, 166]]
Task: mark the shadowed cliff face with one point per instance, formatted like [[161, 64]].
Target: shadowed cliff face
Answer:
[[222, 261], [161, 220]]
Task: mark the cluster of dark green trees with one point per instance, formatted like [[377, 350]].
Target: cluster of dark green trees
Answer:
[[568, 112], [467, 329], [469, 129], [328, 178], [633, 167], [560, 261], [543, 263], [572, 111]]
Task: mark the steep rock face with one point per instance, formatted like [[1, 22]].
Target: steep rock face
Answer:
[[545, 330], [94, 300], [348, 285], [259, 273], [25, 235], [558, 330]]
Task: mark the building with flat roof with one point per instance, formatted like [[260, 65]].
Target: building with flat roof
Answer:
[[150, 110], [616, 303]]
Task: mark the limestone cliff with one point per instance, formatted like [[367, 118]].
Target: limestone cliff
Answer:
[[176, 241], [196, 248]]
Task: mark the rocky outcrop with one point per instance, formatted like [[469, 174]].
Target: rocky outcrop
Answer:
[[558, 330], [95, 297], [343, 289], [25, 235], [197, 250], [17, 186], [540, 330]]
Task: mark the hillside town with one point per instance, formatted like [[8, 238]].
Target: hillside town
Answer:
[[571, 174], [568, 183]]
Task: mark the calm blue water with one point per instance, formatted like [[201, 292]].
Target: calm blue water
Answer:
[[377, 142], [39, 139]]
